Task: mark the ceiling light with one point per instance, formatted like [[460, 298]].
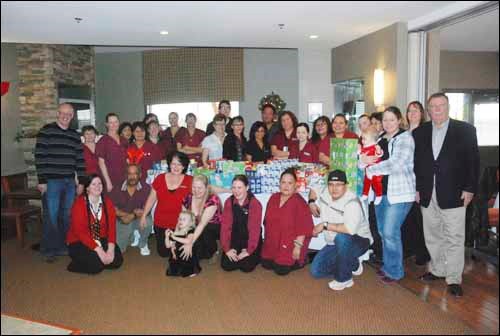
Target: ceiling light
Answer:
[[313, 37], [164, 32]]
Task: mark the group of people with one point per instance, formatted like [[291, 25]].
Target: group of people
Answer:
[[431, 166]]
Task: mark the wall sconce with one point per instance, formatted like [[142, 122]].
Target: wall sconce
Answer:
[[5, 87], [378, 87]]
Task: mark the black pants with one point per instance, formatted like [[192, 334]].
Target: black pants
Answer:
[[206, 244], [412, 235], [163, 251], [85, 260], [377, 241], [246, 265], [280, 269], [184, 268]]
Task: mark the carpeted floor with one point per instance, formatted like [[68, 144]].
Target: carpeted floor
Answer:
[[140, 299]]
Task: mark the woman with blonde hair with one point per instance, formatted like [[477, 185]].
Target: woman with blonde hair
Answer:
[[207, 209]]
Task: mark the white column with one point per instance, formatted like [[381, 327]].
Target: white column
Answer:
[[417, 43]]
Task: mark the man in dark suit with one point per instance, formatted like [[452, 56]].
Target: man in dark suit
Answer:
[[447, 169]]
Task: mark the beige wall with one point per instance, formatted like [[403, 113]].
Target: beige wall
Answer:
[[468, 70], [386, 49], [12, 155]]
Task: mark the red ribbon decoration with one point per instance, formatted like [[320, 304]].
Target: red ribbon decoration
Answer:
[[135, 155], [5, 87]]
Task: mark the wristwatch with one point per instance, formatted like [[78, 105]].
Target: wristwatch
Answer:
[[311, 201], [325, 226]]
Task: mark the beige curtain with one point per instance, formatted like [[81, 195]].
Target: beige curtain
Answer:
[[193, 75]]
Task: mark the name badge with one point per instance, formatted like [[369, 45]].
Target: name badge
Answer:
[[306, 153]]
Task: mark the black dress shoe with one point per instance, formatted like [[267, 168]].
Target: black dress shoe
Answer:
[[420, 261], [430, 277], [455, 290]]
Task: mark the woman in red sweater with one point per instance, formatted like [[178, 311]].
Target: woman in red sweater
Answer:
[[91, 237]]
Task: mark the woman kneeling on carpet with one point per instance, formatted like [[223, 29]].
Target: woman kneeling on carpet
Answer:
[[240, 235], [92, 234], [183, 234], [288, 228]]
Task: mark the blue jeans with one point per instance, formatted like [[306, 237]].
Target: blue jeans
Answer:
[[57, 203], [390, 217], [341, 259]]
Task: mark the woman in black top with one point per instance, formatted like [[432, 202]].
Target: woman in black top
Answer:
[[258, 149], [235, 143]]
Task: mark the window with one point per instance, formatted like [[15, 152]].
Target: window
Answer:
[[204, 112], [84, 112], [486, 122], [479, 108]]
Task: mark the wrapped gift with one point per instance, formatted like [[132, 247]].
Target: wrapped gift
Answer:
[[203, 171], [344, 156], [223, 180], [236, 168]]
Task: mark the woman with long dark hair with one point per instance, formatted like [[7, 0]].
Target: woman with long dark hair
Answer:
[[235, 143], [258, 149], [91, 237], [321, 135]]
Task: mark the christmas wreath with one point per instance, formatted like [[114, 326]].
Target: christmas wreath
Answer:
[[273, 99]]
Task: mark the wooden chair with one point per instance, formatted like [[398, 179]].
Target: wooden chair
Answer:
[[20, 214], [17, 195], [16, 190]]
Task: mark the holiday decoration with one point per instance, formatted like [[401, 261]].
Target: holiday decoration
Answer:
[[273, 99], [135, 155], [5, 87]]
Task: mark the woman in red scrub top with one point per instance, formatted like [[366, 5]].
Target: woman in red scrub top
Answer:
[[285, 139], [288, 228]]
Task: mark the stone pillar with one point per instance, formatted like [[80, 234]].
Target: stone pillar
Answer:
[[41, 68]]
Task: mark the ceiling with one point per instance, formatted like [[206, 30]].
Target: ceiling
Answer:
[[476, 34], [205, 24]]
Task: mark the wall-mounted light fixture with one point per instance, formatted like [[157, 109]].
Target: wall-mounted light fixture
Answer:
[[378, 87]]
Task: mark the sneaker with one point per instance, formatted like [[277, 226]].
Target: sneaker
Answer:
[[377, 201], [145, 250], [137, 236], [359, 270], [338, 286]]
